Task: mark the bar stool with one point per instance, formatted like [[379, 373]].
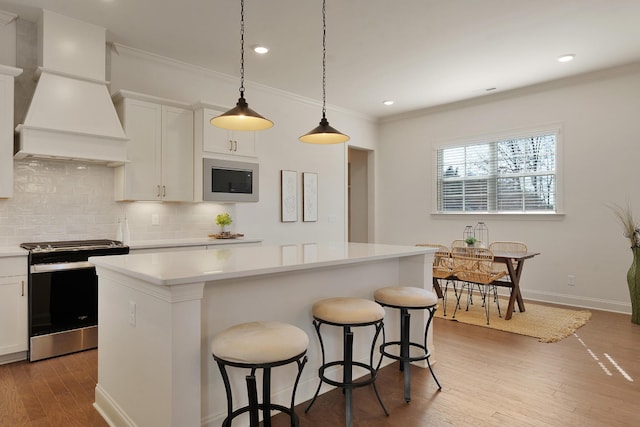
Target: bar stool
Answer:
[[347, 313], [408, 298], [259, 345]]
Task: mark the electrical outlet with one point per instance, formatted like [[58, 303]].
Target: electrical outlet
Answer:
[[155, 219], [571, 280], [132, 313]]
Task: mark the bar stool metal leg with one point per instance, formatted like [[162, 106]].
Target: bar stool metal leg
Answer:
[[432, 312], [347, 377], [266, 397], [348, 384], [404, 351], [252, 390], [404, 299], [316, 325]]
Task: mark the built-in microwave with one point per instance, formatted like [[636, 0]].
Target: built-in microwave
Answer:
[[229, 181]]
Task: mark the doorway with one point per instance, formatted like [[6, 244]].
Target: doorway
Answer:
[[359, 195]]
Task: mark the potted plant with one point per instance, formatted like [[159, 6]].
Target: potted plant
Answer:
[[223, 220], [470, 241], [632, 232]]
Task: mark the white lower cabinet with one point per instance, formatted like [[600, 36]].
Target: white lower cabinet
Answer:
[[14, 334], [160, 149]]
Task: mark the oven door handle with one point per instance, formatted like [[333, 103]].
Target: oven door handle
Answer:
[[62, 266]]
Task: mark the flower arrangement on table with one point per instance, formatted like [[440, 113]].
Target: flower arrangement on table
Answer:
[[631, 230], [470, 241]]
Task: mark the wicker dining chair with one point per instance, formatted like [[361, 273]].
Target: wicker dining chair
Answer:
[[459, 243], [443, 271], [509, 247], [475, 266]]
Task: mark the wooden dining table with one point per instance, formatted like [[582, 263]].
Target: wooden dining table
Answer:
[[514, 262]]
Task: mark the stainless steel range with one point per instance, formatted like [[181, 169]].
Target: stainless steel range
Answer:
[[63, 295]]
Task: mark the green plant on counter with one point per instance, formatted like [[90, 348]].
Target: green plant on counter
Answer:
[[470, 240], [223, 219]]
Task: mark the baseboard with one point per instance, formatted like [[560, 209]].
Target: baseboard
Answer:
[[577, 301], [13, 357], [110, 411]]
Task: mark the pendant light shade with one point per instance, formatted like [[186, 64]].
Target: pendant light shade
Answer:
[[324, 133], [241, 117]]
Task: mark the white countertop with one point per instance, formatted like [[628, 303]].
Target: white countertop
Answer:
[[196, 241], [174, 268], [8, 251]]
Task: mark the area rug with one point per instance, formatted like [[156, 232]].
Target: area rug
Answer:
[[547, 323]]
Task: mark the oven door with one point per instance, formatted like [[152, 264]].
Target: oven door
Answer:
[[63, 308]]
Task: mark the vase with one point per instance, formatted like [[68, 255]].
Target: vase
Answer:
[[633, 280]]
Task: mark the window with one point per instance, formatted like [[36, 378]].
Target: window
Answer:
[[506, 175]]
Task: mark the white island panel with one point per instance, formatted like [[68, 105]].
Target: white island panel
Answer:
[[183, 299]]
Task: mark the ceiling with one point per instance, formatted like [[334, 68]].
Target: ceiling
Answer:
[[419, 53]]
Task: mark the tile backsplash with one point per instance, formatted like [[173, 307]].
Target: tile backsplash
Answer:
[[65, 200]]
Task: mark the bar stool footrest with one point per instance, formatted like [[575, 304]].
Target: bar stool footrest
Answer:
[[424, 356], [261, 407], [354, 384]]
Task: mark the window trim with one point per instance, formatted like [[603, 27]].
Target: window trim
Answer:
[[556, 128]]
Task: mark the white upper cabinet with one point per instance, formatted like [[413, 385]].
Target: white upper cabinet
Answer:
[[7, 75], [212, 140], [160, 150]]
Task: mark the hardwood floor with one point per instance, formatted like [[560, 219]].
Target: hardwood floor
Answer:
[[489, 378], [50, 393]]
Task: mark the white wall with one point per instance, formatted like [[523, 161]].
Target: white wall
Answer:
[[63, 200], [277, 148], [601, 148], [7, 38]]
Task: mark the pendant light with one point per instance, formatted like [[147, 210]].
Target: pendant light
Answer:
[[241, 117], [324, 133]]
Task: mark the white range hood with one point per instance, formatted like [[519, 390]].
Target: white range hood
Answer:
[[71, 115]]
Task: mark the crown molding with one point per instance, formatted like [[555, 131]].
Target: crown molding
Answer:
[[7, 18], [120, 49]]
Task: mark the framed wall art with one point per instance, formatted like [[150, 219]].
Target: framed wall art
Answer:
[[288, 196], [309, 196]]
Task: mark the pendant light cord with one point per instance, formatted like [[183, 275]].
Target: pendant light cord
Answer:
[[324, 57], [241, 48]]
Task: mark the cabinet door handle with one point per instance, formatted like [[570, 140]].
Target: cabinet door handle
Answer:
[[235, 145], [22, 287], [158, 195], [231, 145], [164, 191]]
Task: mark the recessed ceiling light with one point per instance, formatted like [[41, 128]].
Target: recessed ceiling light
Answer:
[[566, 58], [260, 49], [388, 102]]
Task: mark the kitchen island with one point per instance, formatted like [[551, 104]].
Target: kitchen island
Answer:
[[159, 311]]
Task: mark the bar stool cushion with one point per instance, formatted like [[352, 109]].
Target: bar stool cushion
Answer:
[[405, 296], [259, 342], [345, 310]]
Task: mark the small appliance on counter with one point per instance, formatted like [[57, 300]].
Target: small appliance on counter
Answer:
[[63, 295]]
